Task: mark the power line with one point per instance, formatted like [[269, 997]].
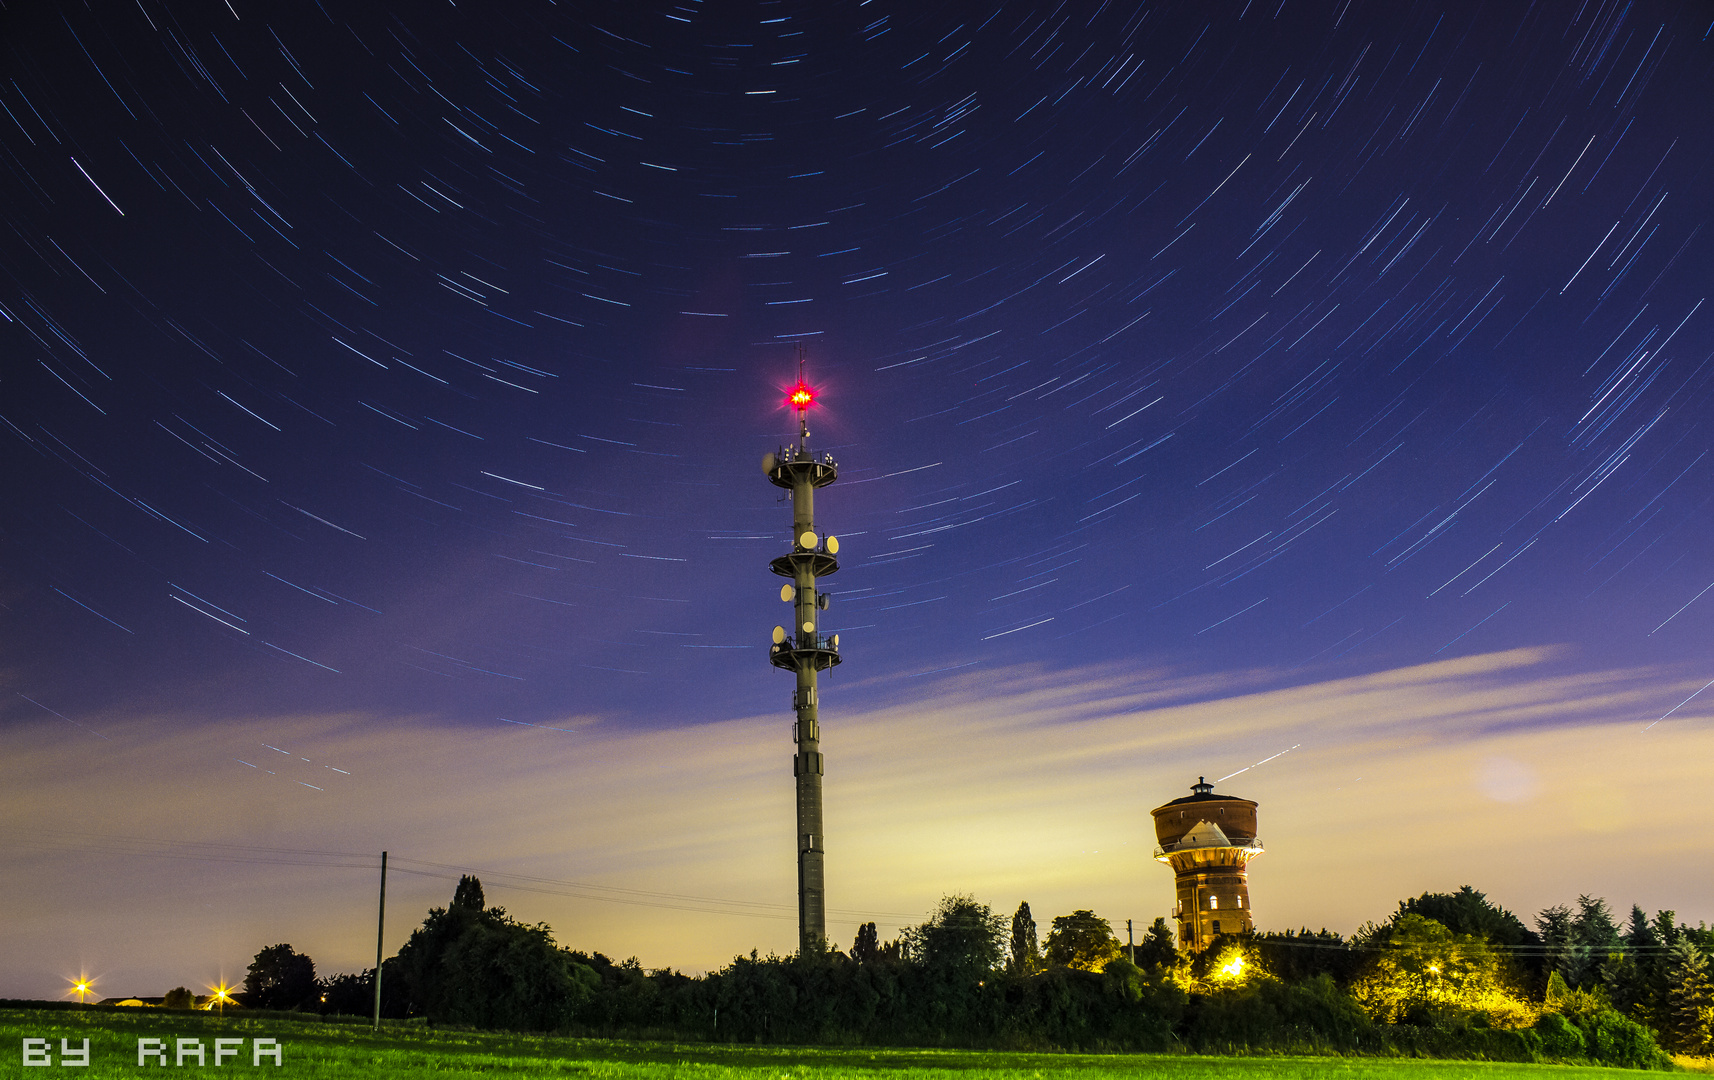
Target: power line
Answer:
[[209, 851]]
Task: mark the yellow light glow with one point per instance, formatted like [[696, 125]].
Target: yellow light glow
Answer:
[[1234, 968], [81, 986]]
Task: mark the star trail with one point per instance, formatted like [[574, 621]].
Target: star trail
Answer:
[[418, 362]]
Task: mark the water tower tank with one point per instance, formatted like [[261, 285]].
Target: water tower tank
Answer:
[[1208, 840]]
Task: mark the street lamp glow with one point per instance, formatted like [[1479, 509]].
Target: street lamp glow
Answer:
[[82, 986]]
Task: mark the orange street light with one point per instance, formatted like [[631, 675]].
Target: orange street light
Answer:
[[82, 985], [221, 996]]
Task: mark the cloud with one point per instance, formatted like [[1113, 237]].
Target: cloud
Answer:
[[1511, 771]]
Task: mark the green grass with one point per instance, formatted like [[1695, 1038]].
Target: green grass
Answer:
[[348, 1050]]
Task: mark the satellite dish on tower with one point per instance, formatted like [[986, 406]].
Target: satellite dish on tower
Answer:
[[769, 461], [833, 545], [787, 592], [807, 540], [779, 634]]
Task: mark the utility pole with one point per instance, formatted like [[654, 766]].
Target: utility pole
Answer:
[[380, 931], [1132, 939], [805, 650]]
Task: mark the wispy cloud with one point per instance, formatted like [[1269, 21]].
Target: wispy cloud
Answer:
[[1510, 771]]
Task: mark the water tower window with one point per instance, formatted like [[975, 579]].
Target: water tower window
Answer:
[[1217, 926], [1213, 902]]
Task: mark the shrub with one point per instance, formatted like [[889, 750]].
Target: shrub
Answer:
[[1625, 1043], [1268, 1013], [1560, 1038]]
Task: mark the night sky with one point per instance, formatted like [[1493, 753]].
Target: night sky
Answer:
[[384, 395]]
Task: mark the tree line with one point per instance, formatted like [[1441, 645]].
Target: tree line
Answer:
[[1448, 974]]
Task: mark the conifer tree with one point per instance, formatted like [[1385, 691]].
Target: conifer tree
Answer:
[[1594, 938], [1026, 949], [1639, 935], [1558, 954], [1656, 967], [1622, 979], [1629, 980], [1689, 1003]]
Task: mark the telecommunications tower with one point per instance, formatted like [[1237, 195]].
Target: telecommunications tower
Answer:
[[804, 649]]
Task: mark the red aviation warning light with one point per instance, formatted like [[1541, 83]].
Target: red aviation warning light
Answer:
[[799, 398]]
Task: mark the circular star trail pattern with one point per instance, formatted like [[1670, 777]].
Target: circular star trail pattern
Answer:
[[421, 360]]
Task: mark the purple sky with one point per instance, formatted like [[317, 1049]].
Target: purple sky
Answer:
[[1206, 381]]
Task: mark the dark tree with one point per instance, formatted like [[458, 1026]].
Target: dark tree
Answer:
[[1666, 929], [1657, 971], [1081, 940], [867, 947], [963, 938], [503, 974], [1627, 979], [1558, 951], [1296, 956], [348, 994], [179, 998], [423, 956], [468, 895], [1687, 1013], [1639, 936], [280, 978], [471, 964], [1468, 911], [1622, 981], [1026, 950], [1595, 939], [1157, 949]]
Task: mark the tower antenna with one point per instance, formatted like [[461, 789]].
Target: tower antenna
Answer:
[[803, 396], [804, 649]]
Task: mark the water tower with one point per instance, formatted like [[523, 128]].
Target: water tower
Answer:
[[1208, 840], [805, 650]]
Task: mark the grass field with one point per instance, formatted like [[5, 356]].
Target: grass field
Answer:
[[313, 1049]]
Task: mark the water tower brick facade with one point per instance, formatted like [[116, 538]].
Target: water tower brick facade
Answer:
[[1208, 840]]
